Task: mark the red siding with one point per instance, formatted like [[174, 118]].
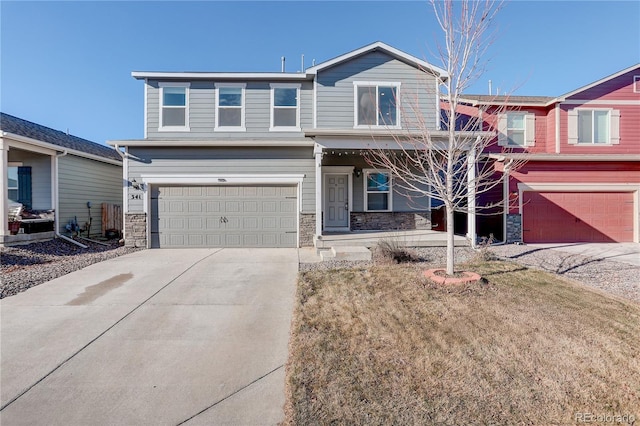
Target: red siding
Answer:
[[629, 131], [616, 89]]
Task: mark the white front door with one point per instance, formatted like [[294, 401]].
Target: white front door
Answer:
[[336, 202]]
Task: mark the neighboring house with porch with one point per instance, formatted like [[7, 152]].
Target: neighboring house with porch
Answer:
[[581, 179], [48, 177], [275, 159]]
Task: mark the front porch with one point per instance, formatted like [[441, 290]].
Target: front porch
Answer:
[[27, 202]]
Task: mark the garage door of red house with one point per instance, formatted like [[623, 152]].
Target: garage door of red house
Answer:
[[567, 217]]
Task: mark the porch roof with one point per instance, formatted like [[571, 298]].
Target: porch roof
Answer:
[[382, 139], [10, 125]]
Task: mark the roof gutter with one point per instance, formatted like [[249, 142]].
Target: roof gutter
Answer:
[[564, 157]]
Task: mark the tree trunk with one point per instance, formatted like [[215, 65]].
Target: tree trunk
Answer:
[[450, 241]]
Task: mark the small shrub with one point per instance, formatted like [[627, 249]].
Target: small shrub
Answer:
[[483, 252], [391, 249]]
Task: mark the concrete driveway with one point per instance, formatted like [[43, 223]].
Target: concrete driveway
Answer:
[[617, 252], [193, 336]]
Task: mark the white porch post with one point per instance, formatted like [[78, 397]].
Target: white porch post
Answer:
[[471, 196], [317, 152], [4, 197], [505, 200]]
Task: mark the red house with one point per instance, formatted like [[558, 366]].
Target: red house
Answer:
[[581, 179]]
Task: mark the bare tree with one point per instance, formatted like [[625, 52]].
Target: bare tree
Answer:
[[446, 164]]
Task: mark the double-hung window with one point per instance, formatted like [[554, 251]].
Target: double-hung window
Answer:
[[174, 106], [285, 107], [377, 190], [594, 126], [376, 104], [516, 129], [230, 107], [12, 183]]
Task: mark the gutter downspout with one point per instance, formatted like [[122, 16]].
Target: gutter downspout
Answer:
[[56, 218], [125, 172], [505, 200]]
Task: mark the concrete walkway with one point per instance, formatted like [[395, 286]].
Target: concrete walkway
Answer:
[[155, 337]]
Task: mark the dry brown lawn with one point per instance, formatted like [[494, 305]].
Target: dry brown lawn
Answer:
[[381, 345]]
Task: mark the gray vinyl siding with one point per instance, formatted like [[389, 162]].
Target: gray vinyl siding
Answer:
[[81, 180], [221, 161], [202, 112], [40, 177], [335, 90]]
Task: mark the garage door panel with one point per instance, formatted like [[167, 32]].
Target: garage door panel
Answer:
[[287, 223], [195, 207], [233, 240], [232, 207], [250, 206], [213, 207], [250, 224], [269, 223], [251, 240], [213, 191], [287, 206], [269, 207], [566, 217], [224, 216]]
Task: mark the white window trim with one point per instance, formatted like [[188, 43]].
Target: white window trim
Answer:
[[217, 126], [608, 142], [377, 84], [529, 129], [636, 84], [272, 127], [365, 174], [524, 129], [163, 128]]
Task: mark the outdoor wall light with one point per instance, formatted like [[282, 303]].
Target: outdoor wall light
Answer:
[[357, 172], [136, 185]]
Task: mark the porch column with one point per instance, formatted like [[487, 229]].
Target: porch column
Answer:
[[471, 196], [4, 198], [317, 152], [505, 200]]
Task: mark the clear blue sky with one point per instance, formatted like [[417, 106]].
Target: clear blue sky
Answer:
[[68, 64]]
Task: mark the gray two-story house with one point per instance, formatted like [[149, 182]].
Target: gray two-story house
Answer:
[[275, 159]]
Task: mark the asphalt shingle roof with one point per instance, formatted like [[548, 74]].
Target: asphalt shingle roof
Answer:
[[18, 126]]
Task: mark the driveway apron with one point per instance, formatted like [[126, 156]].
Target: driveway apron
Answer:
[[191, 336]]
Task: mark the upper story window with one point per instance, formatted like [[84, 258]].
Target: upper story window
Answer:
[[593, 126], [516, 129], [230, 110], [285, 107], [376, 104], [174, 106], [377, 190], [598, 126], [636, 84]]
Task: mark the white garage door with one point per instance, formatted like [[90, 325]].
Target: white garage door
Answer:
[[224, 216]]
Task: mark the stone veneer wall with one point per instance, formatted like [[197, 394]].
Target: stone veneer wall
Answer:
[[377, 221], [135, 230], [514, 228], [307, 229]]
